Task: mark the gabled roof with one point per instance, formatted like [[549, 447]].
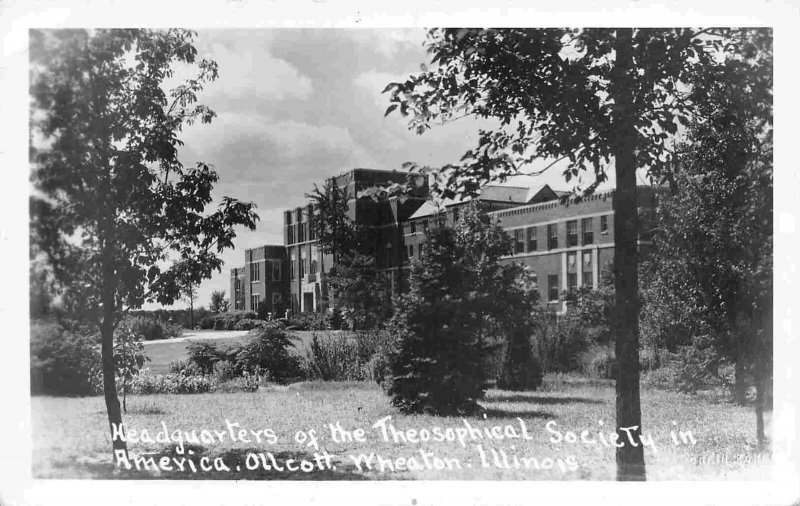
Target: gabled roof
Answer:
[[520, 195]]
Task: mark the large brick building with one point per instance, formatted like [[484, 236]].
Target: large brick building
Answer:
[[565, 241]]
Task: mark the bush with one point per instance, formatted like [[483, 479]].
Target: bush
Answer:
[[204, 354], [334, 357], [151, 329], [63, 362], [145, 384], [560, 343], [521, 369], [268, 351], [310, 321], [229, 320], [599, 362], [248, 324], [207, 322]]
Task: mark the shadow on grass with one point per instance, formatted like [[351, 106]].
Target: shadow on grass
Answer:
[[200, 464], [507, 413], [539, 399]]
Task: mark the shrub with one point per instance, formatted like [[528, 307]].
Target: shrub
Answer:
[[334, 357], [207, 322], [378, 368], [342, 357], [204, 354], [63, 362], [145, 384], [309, 321], [268, 351], [151, 329], [559, 344], [521, 369], [599, 362], [248, 324]]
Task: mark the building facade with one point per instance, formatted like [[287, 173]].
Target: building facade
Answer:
[[565, 241]]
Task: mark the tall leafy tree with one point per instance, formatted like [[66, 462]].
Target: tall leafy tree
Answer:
[[594, 98], [113, 206], [357, 289], [219, 303], [714, 233]]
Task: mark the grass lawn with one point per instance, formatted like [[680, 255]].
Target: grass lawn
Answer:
[[71, 437]]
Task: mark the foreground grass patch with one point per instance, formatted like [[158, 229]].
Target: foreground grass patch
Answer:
[[71, 437]]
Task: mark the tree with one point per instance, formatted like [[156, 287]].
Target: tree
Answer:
[[713, 253], [129, 358], [113, 205], [358, 290], [218, 304], [458, 293], [586, 97], [187, 286]]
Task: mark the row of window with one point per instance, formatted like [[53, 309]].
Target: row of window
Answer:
[[274, 270], [301, 232], [312, 267], [525, 240], [554, 288], [256, 298]]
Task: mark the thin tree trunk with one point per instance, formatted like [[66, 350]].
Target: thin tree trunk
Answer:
[[739, 387], [760, 385], [107, 351], [630, 458]]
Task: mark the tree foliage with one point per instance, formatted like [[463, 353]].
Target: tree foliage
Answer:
[[113, 205], [218, 303], [713, 259], [458, 293], [358, 291]]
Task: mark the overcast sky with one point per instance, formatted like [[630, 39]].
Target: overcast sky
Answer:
[[295, 106]]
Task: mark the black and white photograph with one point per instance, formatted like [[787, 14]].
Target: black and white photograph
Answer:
[[406, 254]]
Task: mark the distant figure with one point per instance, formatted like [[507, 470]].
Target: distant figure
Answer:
[[287, 314]]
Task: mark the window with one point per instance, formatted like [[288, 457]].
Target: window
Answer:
[[572, 233], [413, 226], [255, 272], [301, 232], [572, 282], [571, 258], [288, 216], [425, 225], [410, 252], [303, 260], [314, 265], [290, 233], [419, 251], [311, 233], [254, 302], [604, 224], [276, 301], [291, 266], [531, 231], [276, 270], [535, 279], [552, 287], [588, 280], [552, 236], [588, 231], [587, 260], [298, 215], [455, 215], [519, 241]]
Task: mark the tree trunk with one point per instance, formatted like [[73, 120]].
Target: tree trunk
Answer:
[[739, 387], [107, 352], [760, 386], [630, 458]]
